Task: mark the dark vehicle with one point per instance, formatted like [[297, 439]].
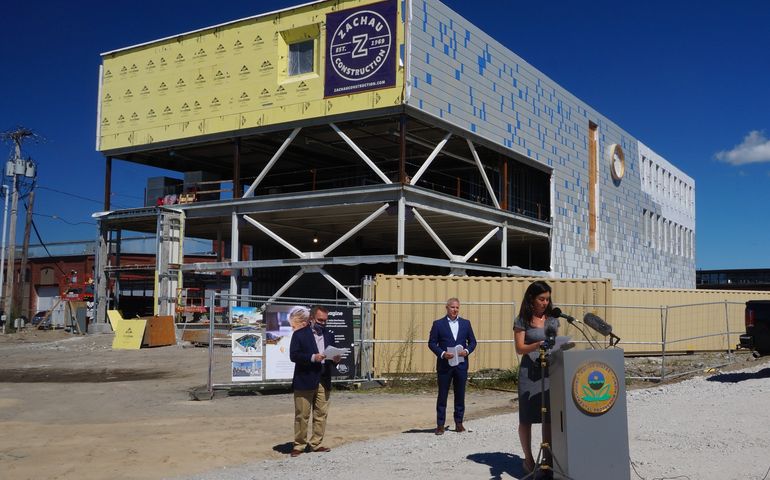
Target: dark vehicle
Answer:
[[41, 316], [757, 336]]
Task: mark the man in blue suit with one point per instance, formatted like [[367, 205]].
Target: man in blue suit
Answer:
[[312, 381], [445, 334]]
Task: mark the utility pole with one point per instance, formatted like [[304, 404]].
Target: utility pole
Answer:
[[10, 270], [2, 250], [18, 168], [24, 281]]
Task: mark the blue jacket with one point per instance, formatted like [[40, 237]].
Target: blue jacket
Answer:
[[308, 374], [441, 338]]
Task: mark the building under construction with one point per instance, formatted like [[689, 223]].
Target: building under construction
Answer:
[[339, 139]]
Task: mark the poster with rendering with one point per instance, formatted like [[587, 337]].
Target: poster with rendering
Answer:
[[361, 49], [245, 315], [246, 344], [247, 369]]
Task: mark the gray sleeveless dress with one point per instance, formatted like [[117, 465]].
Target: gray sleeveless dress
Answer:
[[530, 374]]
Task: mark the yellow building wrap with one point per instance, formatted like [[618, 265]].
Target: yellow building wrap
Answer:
[[236, 77]]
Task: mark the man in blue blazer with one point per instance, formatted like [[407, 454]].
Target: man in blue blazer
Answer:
[[312, 381], [445, 334]]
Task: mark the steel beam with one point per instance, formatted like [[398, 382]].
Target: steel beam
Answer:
[[273, 160], [339, 287], [430, 159], [276, 237], [480, 244], [234, 257], [354, 230], [432, 234], [286, 286], [483, 173], [361, 154]]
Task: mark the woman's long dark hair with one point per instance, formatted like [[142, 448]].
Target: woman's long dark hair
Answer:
[[533, 290]]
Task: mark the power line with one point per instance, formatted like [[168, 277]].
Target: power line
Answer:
[[56, 217], [45, 247], [100, 202]]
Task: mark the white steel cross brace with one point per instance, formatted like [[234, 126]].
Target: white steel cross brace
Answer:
[[430, 159], [361, 153], [442, 245], [276, 156], [483, 173]]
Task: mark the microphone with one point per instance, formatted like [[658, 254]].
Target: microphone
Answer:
[[556, 312], [551, 326], [593, 321]]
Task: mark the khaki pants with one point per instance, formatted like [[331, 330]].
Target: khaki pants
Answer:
[[306, 401]]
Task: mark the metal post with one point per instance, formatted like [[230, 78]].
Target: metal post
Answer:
[[234, 257], [237, 169], [116, 291], [107, 182], [402, 151], [210, 380], [504, 248], [366, 321], [664, 329], [401, 233], [101, 294], [727, 330]]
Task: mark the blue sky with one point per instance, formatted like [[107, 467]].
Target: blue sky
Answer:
[[689, 79]]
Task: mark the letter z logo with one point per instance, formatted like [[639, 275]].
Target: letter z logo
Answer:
[[360, 50]]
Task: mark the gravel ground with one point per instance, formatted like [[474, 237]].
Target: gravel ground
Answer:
[[704, 428]]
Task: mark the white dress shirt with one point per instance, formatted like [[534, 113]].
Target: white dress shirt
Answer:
[[454, 325]]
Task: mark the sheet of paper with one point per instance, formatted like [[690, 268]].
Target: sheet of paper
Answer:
[[457, 359], [334, 351]]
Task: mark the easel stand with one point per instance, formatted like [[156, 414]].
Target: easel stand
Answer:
[[545, 457]]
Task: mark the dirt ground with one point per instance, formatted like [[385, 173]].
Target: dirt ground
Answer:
[[71, 407]]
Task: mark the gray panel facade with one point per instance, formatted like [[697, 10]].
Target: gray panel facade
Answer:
[[463, 77]]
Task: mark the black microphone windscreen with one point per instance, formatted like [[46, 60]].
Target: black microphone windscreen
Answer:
[[551, 327], [597, 324], [556, 312]]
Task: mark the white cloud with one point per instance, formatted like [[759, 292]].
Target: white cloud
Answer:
[[755, 148]]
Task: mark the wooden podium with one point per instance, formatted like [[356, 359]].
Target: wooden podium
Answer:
[[589, 421]]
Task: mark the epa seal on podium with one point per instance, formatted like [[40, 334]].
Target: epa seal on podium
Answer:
[[595, 388]]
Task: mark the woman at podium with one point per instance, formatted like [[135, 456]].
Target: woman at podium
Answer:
[[533, 328]]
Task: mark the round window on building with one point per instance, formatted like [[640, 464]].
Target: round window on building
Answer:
[[617, 162]]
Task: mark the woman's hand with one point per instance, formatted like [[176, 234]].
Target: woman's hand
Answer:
[[521, 347]]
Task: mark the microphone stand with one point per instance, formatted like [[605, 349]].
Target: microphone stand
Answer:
[[543, 468], [585, 335]]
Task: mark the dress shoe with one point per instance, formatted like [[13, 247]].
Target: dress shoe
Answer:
[[459, 428], [439, 430], [296, 453], [322, 449]]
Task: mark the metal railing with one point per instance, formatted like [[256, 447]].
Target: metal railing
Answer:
[[390, 337]]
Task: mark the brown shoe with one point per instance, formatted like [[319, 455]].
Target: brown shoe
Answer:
[[440, 430], [296, 453], [322, 449], [459, 428]]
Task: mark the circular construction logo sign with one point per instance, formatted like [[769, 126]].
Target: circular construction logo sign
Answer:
[[360, 45], [595, 388]]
